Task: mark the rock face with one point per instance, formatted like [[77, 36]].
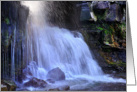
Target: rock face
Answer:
[[64, 14], [114, 13], [35, 83], [108, 11], [8, 85], [13, 24], [56, 74], [101, 5], [85, 12]]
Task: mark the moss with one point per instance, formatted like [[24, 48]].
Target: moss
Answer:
[[11, 86], [4, 87], [100, 28], [116, 64], [114, 34], [101, 14], [119, 64], [7, 21]]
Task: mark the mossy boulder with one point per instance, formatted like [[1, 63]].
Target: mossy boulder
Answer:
[[4, 87], [8, 85]]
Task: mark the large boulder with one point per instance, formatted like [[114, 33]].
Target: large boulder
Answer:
[[35, 83], [108, 11], [114, 13], [8, 85], [56, 74]]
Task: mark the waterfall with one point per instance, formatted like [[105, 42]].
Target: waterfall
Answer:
[[49, 47]]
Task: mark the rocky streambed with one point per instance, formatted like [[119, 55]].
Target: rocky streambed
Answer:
[[57, 81]]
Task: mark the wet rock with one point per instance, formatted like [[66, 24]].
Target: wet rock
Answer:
[[51, 81], [77, 34], [108, 11], [12, 22], [64, 88], [56, 74], [54, 89], [69, 12], [23, 15], [85, 12], [4, 87], [121, 2], [27, 70], [61, 88], [114, 13], [36, 83], [11, 86]]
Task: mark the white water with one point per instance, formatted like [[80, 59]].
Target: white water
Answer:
[[54, 47], [51, 47]]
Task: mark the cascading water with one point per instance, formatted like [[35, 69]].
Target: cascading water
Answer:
[[13, 56], [53, 47], [50, 47]]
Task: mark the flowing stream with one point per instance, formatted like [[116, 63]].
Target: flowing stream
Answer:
[[49, 47]]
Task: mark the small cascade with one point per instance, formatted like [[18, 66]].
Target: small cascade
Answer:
[[13, 56]]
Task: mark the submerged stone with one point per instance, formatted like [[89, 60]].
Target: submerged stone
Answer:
[[64, 88], [36, 83], [51, 81], [54, 89]]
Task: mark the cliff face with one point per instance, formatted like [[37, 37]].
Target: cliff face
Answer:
[[103, 25], [13, 22], [64, 14]]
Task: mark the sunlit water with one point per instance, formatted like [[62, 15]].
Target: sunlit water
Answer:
[[51, 47]]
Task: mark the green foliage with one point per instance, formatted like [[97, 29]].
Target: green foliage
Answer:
[[100, 28], [7, 21], [122, 28], [107, 29], [119, 64]]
